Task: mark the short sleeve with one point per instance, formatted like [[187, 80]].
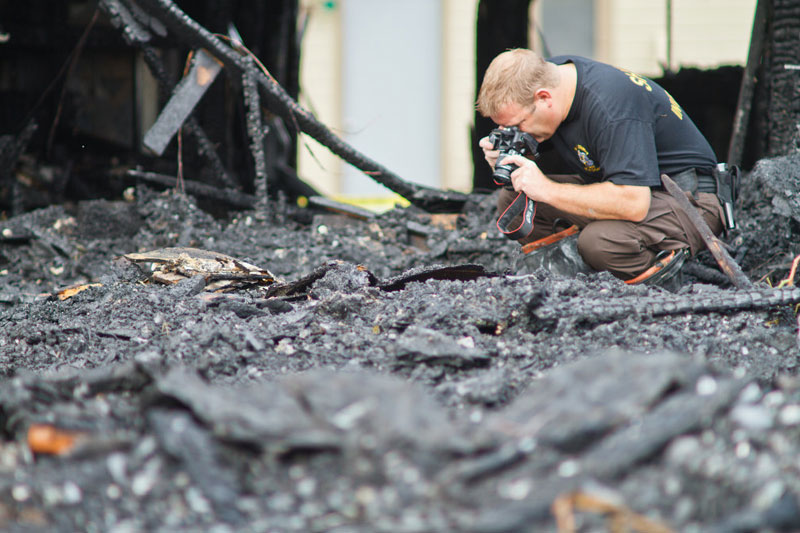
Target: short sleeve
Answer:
[[627, 150]]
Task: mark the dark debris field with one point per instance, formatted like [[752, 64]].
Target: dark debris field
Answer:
[[398, 374]]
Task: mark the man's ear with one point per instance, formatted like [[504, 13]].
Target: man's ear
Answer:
[[543, 96]]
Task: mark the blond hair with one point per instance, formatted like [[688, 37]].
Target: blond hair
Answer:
[[514, 76]]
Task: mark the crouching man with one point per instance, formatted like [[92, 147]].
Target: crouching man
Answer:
[[619, 132]]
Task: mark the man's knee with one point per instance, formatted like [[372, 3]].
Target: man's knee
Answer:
[[608, 245], [593, 245]]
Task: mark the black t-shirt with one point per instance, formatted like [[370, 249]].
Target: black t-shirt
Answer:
[[625, 128]]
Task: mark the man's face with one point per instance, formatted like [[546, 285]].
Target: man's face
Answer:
[[537, 120]]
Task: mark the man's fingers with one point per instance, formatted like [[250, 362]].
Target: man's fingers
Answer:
[[514, 160]]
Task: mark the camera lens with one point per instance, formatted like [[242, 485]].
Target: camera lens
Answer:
[[502, 173]]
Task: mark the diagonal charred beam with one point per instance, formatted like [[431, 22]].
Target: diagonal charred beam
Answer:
[[185, 97], [715, 246], [195, 36], [194, 128], [126, 19]]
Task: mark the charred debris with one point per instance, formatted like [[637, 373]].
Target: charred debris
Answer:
[[124, 59], [224, 360]]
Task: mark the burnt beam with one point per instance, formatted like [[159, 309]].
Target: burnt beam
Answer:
[[728, 265], [229, 197], [195, 36], [185, 97], [130, 21], [741, 119], [255, 131]]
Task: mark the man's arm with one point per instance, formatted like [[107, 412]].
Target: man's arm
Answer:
[[600, 201]]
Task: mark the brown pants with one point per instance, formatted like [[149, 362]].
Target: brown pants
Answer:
[[625, 248]]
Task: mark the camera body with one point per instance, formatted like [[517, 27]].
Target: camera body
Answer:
[[511, 141]]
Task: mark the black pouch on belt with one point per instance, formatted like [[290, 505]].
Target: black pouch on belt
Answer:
[[687, 180]]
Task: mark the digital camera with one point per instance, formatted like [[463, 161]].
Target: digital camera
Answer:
[[511, 141]]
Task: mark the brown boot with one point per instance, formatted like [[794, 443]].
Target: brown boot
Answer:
[[666, 270], [550, 239], [556, 253]]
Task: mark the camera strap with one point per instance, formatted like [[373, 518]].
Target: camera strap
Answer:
[[521, 204]]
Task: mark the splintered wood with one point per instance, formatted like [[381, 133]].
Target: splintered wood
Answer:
[[620, 518], [48, 439], [171, 265]]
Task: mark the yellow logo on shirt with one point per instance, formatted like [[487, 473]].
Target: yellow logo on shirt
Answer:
[[674, 106], [642, 82], [586, 161], [638, 80]]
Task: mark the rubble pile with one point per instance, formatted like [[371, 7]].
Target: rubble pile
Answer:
[[387, 373]]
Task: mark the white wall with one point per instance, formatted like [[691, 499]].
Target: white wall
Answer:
[[391, 98], [458, 92], [320, 93], [705, 33]]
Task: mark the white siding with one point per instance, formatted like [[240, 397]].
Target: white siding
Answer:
[[458, 92], [320, 85], [705, 33]]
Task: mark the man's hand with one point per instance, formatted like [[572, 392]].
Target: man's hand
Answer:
[[528, 178], [600, 201], [489, 153]]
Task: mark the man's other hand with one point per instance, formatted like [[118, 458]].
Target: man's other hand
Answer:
[[489, 153]]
